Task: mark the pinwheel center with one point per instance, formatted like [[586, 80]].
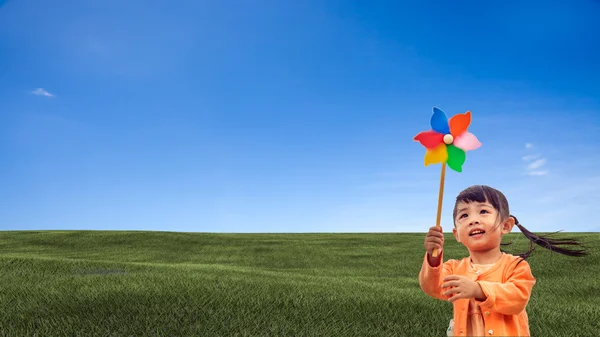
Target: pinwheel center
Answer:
[[448, 139]]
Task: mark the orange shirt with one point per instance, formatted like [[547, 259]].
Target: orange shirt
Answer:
[[507, 285]]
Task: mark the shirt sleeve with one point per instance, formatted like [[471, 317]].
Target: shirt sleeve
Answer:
[[431, 278], [511, 297]]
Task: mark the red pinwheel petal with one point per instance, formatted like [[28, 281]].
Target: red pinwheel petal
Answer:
[[430, 139]]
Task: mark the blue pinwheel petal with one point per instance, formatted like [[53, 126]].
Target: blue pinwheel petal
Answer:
[[439, 121]]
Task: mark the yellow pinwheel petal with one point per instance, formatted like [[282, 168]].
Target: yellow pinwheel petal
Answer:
[[437, 155]]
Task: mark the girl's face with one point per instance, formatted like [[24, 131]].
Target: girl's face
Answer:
[[477, 226]]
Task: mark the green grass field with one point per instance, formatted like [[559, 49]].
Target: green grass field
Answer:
[[94, 283]]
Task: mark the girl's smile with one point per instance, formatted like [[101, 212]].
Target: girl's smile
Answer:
[[476, 232], [476, 236]]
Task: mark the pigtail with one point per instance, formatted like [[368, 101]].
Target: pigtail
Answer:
[[550, 244]]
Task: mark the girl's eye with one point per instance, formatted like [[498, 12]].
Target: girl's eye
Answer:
[[462, 216], [483, 210]]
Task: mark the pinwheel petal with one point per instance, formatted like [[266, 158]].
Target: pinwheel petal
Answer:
[[430, 139], [439, 122], [459, 123], [456, 158], [436, 155], [467, 142]]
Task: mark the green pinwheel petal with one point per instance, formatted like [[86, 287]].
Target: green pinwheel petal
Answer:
[[456, 158]]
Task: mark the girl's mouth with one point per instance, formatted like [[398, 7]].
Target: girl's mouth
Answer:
[[476, 233]]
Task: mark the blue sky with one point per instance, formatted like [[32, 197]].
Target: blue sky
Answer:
[[292, 116]]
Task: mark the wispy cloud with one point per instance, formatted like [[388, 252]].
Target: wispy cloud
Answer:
[[537, 173], [535, 164], [42, 92], [531, 157]]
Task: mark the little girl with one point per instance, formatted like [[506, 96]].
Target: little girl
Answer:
[[489, 289]]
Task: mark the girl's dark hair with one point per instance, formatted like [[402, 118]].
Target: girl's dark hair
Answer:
[[482, 193]]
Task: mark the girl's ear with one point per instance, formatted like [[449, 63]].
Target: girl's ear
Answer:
[[455, 232], [508, 225]]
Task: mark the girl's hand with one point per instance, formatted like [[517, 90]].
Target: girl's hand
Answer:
[[434, 240], [463, 287]]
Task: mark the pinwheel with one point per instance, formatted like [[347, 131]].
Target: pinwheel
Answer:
[[447, 143]]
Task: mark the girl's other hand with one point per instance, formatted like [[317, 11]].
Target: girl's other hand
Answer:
[[462, 287]]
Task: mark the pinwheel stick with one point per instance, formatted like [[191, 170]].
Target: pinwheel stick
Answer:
[[439, 208]]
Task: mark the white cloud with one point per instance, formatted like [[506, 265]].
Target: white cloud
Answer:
[[42, 92], [537, 164], [533, 168], [530, 157]]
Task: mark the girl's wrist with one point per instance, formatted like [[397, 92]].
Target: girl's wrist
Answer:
[[480, 295]]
